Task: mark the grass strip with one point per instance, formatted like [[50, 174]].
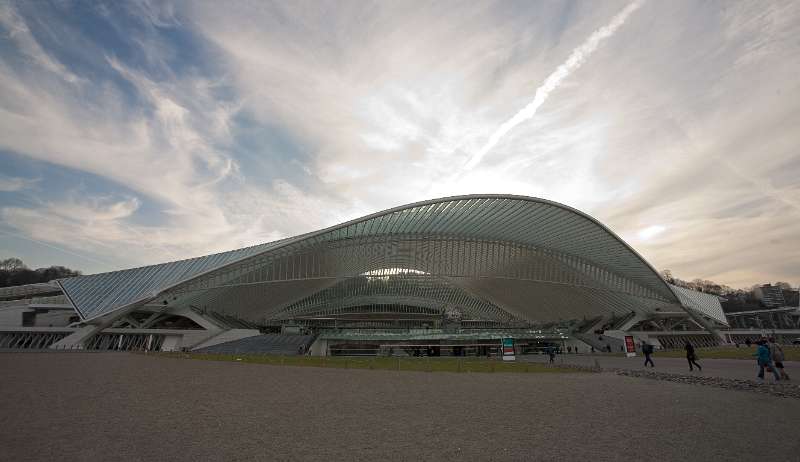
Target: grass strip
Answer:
[[384, 363]]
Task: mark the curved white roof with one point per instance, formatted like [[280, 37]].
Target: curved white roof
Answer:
[[532, 258]]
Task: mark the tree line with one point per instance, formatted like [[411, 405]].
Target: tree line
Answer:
[[14, 272], [711, 287]]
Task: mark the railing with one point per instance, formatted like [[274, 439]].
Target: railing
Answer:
[[417, 350], [30, 340], [677, 342], [125, 342]]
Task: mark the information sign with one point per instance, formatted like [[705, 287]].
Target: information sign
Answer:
[[630, 346], [508, 349]]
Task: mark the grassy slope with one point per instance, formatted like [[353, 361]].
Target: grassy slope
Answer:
[[384, 363]]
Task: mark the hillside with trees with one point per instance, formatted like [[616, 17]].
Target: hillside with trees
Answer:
[[733, 299], [14, 272]]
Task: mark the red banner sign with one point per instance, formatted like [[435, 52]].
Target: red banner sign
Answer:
[[630, 347]]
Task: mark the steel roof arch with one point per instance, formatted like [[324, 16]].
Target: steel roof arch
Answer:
[[249, 253]]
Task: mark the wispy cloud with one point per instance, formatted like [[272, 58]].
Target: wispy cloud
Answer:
[[17, 30], [12, 184]]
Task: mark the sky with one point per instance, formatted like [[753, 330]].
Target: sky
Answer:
[[139, 132]]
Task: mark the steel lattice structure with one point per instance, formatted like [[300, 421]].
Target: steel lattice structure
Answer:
[[490, 257]]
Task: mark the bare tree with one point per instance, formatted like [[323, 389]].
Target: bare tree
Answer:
[[667, 275], [12, 264]]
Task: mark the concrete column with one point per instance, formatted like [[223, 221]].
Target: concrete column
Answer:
[[201, 320], [78, 339], [637, 318]]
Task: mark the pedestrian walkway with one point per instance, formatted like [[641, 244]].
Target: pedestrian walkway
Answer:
[[723, 368]]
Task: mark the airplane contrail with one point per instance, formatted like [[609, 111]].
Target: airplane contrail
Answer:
[[575, 60]]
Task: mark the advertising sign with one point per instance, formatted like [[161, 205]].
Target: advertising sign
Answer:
[[508, 349], [630, 347]]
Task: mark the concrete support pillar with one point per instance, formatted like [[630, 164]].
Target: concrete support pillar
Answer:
[[636, 319], [319, 347], [707, 326], [201, 320], [78, 339]]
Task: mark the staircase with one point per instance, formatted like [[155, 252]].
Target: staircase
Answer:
[[600, 341]]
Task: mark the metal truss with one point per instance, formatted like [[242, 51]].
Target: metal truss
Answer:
[[781, 318], [388, 287]]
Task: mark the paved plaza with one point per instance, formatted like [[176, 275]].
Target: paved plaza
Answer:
[[723, 368], [119, 406]]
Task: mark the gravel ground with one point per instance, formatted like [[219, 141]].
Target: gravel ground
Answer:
[[117, 406]]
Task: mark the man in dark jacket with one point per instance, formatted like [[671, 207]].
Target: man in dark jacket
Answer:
[[647, 350], [552, 353], [691, 357]]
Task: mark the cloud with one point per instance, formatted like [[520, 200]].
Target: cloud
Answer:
[[12, 184], [387, 118], [17, 30], [104, 225], [169, 142], [80, 224]]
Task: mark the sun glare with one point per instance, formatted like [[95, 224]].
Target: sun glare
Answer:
[[651, 232]]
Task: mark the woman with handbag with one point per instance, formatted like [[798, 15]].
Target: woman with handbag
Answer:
[[777, 358]]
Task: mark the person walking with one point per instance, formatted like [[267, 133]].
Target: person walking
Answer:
[[647, 350], [691, 357], [776, 353], [552, 352], [764, 359]]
